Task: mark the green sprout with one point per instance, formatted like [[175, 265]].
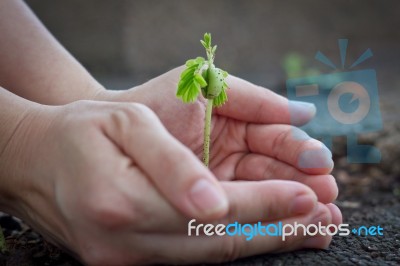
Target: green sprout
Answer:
[[202, 76]]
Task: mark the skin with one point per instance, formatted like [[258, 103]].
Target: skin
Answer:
[[240, 129], [100, 196], [110, 177]]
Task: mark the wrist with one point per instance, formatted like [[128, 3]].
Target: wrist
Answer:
[[18, 117], [62, 93], [86, 89]]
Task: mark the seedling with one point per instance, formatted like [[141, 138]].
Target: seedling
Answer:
[[202, 76]]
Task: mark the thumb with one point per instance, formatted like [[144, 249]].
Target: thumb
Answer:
[[174, 170]]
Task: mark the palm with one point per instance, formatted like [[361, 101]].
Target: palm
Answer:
[[229, 146], [265, 152]]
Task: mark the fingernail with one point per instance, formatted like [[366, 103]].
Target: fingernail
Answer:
[[318, 158], [337, 217], [301, 112], [303, 204], [299, 134], [207, 198], [320, 216], [319, 241]]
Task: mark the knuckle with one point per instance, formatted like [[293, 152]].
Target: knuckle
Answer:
[[287, 136], [138, 112], [127, 114], [281, 139], [272, 169]]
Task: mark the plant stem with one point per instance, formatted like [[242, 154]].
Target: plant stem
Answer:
[[207, 119], [207, 132]]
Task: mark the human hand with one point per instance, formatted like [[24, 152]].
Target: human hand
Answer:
[[251, 138], [109, 183]]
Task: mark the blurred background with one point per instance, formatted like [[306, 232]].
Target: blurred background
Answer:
[[124, 43]]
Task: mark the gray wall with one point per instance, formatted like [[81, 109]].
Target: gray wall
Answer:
[[132, 41]]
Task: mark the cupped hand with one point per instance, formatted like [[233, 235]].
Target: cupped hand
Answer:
[[251, 139], [109, 183]]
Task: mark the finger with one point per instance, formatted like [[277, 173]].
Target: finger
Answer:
[[337, 217], [256, 167], [315, 238], [215, 249], [290, 145], [251, 103], [173, 168], [319, 240], [269, 200], [131, 199]]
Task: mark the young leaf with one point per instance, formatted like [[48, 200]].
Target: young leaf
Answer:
[[204, 44], [188, 87], [196, 61], [191, 93], [207, 39], [199, 60], [188, 71], [222, 98], [199, 78]]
